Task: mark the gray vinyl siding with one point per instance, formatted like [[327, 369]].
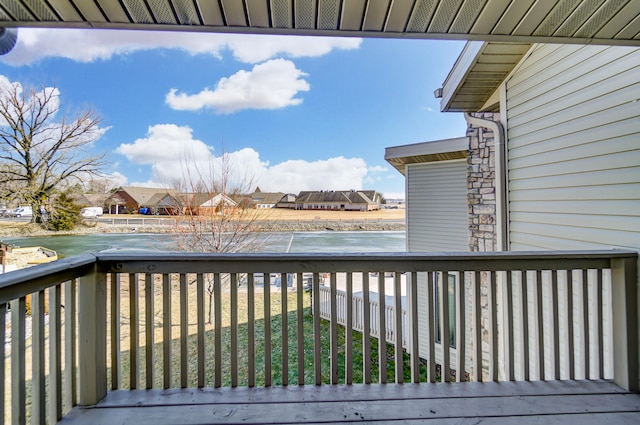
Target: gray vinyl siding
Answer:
[[573, 126], [573, 129], [437, 218]]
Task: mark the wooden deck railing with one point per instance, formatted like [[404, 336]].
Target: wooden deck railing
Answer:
[[124, 321]]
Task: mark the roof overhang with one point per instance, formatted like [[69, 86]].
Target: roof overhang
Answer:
[[527, 21], [417, 153], [473, 82]]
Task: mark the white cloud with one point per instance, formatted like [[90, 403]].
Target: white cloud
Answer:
[[270, 85], [377, 169], [83, 45], [173, 153]]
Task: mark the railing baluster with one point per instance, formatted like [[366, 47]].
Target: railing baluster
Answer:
[[115, 331], [38, 376], [382, 330], [55, 355], [445, 337], [233, 287], [300, 333], [184, 332], [333, 325], [217, 313], [524, 290], [509, 324], [556, 324], [316, 329], [70, 360], [397, 327], [285, 328], [493, 328], [461, 340], [200, 328], [586, 329], [267, 330], [431, 327], [540, 326], [477, 327], [412, 321], [134, 314], [251, 331], [166, 329], [348, 330], [366, 329], [600, 323], [570, 326], [149, 329]]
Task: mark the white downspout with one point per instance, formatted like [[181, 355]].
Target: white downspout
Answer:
[[501, 177]]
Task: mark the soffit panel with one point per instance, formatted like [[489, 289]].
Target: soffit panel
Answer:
[[563, 21]]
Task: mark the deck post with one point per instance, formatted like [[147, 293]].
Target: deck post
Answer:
[[625, 322], [92, 332]]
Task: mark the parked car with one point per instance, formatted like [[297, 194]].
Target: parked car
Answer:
[[91, 212], [22, 212]]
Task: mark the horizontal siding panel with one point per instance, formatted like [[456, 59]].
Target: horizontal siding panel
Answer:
[[626, 143], [621, 223], [576, 128], [567, 114], [437, 206], [612, 208], [609, 131], [592, 86], [605, 237], [531, 242], [552, 77], [580, 165], [538, 62], [600, 192], [589, 178]]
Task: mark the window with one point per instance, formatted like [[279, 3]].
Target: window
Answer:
[[451, 292]]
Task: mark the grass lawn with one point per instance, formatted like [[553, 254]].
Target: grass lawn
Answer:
[[242, 353]]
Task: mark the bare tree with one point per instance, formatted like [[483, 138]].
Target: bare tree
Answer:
[[39, 151], [215, 211]]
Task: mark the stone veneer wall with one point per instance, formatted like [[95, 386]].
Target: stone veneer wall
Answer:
[[481, 204], [481, 190]]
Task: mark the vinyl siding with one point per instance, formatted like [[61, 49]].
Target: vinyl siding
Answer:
[[437, 217], [573, 125], [437, 220]]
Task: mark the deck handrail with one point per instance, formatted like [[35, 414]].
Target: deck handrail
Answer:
[[516, 294]]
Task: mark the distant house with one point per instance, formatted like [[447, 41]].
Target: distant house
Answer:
[[347, 200], [287, 201], [261, 199], [92, 199], [214, 204], [127, 199]]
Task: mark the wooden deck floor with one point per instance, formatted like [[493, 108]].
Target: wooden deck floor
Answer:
[[524, 403]]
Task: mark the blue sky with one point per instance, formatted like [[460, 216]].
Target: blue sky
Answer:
[[293, 113]]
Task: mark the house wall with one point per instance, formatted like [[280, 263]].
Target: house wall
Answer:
[[436, 221], [573, 126]]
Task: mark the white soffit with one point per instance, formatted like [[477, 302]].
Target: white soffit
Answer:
[[523, 21], [417, 153], [477, 74]]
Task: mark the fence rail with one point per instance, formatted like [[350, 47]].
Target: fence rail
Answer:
[[146, 320]]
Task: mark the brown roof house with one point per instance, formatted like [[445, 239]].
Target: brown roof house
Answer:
[[345, 200], [130, 199]]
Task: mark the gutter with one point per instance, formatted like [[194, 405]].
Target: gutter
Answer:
[[501, 176]]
